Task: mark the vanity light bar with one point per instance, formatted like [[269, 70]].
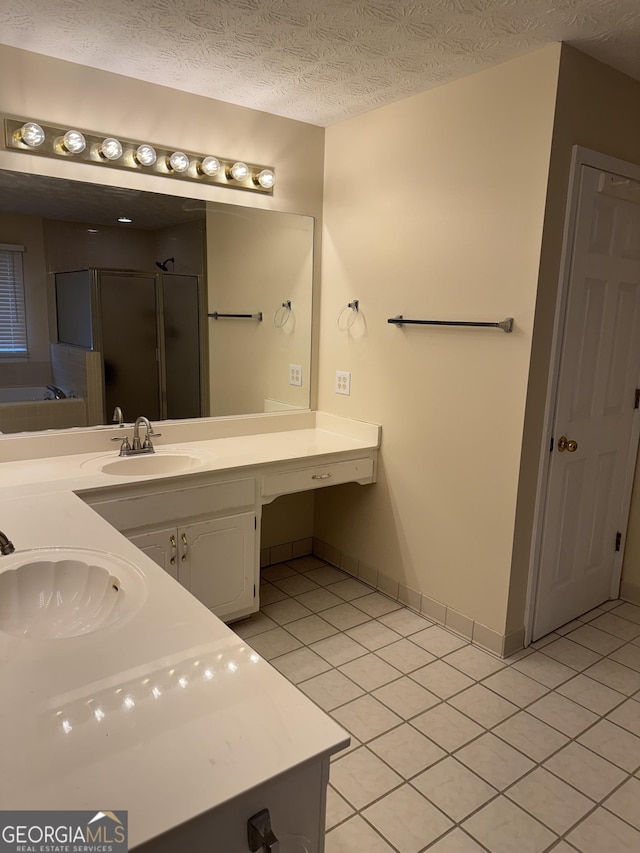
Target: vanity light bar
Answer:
[[47, 140]]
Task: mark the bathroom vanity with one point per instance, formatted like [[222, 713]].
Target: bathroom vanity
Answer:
[[164, 711]]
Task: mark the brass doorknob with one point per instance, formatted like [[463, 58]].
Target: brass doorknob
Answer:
[[567, 444]]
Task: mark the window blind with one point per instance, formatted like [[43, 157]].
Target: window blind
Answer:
[[13, 328]]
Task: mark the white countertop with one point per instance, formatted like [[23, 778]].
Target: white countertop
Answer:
[[168, 714], [81, 471]]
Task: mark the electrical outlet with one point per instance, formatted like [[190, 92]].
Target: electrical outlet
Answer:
[[295, 374], [343, 382]]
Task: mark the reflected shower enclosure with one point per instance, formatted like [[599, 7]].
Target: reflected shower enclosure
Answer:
[[147, 328]]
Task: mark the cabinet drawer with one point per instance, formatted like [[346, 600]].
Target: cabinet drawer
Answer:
[[171, 506], [331, 474]]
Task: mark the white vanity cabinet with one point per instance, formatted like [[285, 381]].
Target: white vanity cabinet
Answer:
[[206, 536], [213, 559]]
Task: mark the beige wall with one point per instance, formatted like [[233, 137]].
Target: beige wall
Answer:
[[434, 209], [59, 92], [255, 261], [597, 108]]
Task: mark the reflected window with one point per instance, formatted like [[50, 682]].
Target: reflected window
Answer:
[[13, 329]]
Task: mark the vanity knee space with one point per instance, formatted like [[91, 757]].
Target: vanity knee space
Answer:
[[204, 530]]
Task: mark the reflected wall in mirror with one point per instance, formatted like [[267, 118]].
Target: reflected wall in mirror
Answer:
[[258, 264], [244, 260]]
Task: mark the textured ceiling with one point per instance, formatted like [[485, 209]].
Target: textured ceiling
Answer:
[[319, 61]]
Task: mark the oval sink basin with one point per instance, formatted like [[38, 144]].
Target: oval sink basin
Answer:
[[165, 462], [54, 593], [152, 463]]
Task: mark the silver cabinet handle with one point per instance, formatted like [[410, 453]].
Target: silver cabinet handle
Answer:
[[321, 476], [185, 547]]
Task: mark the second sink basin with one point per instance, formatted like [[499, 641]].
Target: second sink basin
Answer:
[[57, 593], [152, 463], [167, 460]]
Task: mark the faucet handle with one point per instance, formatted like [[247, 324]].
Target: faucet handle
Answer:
[[6, 545], [146, 445], [125, 447]]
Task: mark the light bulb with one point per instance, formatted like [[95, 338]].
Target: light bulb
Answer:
[[266, 179], [111, 149], [74, 142], [31, 134], [179, 161], [239, 172], [210, 166], [145, 155]]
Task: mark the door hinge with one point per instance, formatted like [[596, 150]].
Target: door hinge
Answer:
[[551, 448], [255, 522], [636, 404], [618, 540], [254, 590]]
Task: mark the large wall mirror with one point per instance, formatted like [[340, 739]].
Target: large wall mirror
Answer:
[[118, 288]]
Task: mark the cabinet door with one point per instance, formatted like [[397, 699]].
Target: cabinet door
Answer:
[[217, 563], [161, 546]]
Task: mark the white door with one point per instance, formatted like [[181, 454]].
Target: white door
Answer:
[[592, 452]]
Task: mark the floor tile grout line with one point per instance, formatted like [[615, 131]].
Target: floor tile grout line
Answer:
[[499, 792], [601, 656], [520, 707], [446, 701]]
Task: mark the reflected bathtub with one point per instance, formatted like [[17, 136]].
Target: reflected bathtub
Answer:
[[33, 407], [25, 393]]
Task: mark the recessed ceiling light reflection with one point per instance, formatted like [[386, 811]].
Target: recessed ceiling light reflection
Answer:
[[124, 219]]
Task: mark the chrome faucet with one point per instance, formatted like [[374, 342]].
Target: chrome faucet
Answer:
[[6, 546], [118, 417], [138, 446], [58, 393], [147, 447]]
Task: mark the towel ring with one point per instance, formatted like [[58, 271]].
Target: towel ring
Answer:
[[353, 307], [282, 314]]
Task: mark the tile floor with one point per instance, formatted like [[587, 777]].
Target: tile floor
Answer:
[[454, 750]]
